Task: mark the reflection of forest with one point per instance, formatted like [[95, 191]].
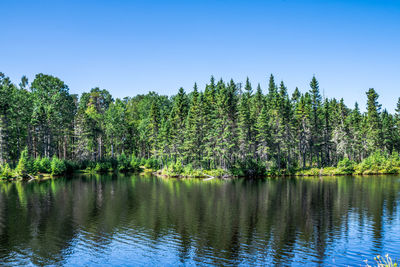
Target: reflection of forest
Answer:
[[216, 221]]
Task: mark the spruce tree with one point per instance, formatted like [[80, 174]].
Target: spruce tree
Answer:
[[315, 119], [178, 119], [244, 122], [154, 126], [193, 133], [374, 127], [272, 93]]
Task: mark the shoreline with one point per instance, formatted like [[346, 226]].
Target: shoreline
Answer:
[[268, 176], [226, 176]]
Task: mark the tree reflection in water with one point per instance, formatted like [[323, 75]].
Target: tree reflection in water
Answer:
[[144, 220]]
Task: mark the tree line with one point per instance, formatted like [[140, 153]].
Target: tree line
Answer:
[[225, 126]]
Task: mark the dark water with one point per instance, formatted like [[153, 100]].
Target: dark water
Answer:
[[132, 220]]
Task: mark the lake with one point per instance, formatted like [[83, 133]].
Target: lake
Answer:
[[145, 220]]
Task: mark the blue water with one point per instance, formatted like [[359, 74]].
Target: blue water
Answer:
[[139, 220]]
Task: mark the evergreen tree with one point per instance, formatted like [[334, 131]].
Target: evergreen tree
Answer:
[[25, 165], [315, 145], [194, 128], [303, 118], [244, 122], [389, 132], [5, 100], [263, 136], [154, 126], [272, 93], [178, 119], [210, 114], [356, 133], [220, 127], [374, 131]]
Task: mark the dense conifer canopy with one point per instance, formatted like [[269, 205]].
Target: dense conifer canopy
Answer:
[[222, 126]]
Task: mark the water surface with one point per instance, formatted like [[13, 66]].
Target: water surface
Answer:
[[133, 220]]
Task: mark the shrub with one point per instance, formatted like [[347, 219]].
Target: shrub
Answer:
[[6, 172], [71, 166], [58, 166], [25, 165], [249, 168], [216, 172], [177, 167], [135, 163], [312, 172], [123, 163], [152, 163], [329, 171], [148, 164], [374, 164], [36, 164], [45, 165], [274, 171], [391, 164], [104, 166], [188, 170], [345, 166], [174, 169]]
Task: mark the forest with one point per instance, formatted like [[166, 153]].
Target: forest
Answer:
[[227, 128]]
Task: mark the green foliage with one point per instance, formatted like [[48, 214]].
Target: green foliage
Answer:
[[135, 163], [71, 166], [58, 166], [378, 163], [36, 164], [6, 172], [104, 166], [123, 163], [312, 172], [45, 165], [152, 163], [249, 168], [177, 167], [371, 165], [328, 171], [216, 172], [188, 171], [223, 126], [345, 166], [25, 165]]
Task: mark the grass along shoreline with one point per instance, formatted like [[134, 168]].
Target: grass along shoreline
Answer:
[[44, 168]]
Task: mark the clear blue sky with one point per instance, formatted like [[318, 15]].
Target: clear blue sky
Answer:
[[132, 47]]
